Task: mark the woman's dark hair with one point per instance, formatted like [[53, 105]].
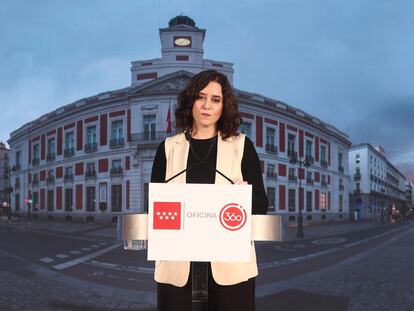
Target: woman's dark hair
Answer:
[[230, 119]]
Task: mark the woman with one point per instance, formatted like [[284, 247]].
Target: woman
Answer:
[[208, 118]]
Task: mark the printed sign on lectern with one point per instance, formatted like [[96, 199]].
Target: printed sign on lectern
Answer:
[[199, 222]]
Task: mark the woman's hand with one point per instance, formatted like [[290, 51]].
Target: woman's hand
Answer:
[[238, 181]]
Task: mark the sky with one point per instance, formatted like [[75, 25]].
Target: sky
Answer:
[[349, 63]]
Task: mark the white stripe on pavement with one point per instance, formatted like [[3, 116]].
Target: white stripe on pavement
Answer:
[[46, 259], [75, 252], [62, 256], [85, 258]]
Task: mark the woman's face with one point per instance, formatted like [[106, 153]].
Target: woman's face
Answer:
[[208, 107]]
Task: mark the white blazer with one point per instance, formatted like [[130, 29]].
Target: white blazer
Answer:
[[229, 158]]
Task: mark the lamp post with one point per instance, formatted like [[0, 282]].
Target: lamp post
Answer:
[[305, 163]]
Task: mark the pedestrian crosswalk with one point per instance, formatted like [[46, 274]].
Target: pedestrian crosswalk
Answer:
[[72, 253]]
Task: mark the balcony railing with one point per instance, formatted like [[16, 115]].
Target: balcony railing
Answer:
[[69, 152], [91, 147], [116, 143], [270, 148], [116, 171], [68, 178], [90, 174], [271, 175], [292, 154], [357, 176], [151, 138], [309, 159], [35, 162], [50, 179], [50, 157], [340, 169], [293, 178], [324, 163], [309, 181]]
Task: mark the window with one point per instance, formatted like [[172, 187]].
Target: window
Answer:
[[68, 199], [51, 147], [246, 128], [50, 196], [68, 170], [90, 170], [36, 152], [340, 159], [291, 144], [90, 199], [341, 202], [323, 201], [357, 158], [69, 141], [18, 159], [292, 200], [309, 201], [323, 153], [270, 140], [116, 196], [308, 150], [150, 126], [357, 186], [271, 195], [50, 176], [91, 144], [292, 173], [91, 134], [117, 129], [271, 171]]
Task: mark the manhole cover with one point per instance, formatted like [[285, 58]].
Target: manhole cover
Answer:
[[329, 241]]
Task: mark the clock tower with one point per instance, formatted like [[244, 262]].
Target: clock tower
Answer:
[[181, 49]]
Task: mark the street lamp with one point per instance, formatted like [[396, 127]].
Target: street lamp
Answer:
[[305, 163]]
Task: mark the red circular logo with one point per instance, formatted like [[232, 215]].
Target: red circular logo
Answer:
[[233, 216]]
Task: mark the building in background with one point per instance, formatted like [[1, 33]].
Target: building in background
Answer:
[[409, 198], [92, 159], [378, 188], [4, 173]]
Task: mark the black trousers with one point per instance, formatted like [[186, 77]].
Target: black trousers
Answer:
[[238, 297]]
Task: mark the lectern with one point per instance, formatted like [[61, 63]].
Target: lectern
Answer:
[[199, 223]]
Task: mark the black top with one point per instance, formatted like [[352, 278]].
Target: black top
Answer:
[[205, 151]]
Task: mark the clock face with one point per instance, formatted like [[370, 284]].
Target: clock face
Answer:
[[182, 41]]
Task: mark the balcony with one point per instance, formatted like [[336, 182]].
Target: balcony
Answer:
[[310, 181], [90, 174], [69, 152], [68, 178], [293, 178], [357, 176], [341, 169], [309, 159], [270, 148], [150, 138], [271, 175], [35, 162], [292, 154], [324, 184], [91, 147], [341, 187], [116, 171], [324, 164], [116, 143], [50, 157], [50, 180]]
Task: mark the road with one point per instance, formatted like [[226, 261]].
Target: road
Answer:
[[367, 269]]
